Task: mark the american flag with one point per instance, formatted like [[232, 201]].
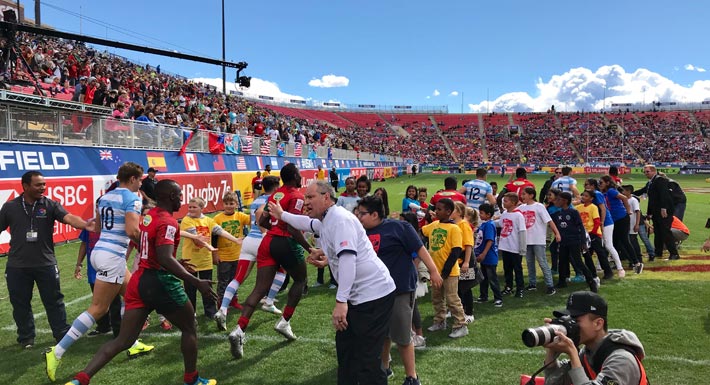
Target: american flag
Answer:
[[241, 163], [297, 150], [247, 145], [265, 146], [105, 155]]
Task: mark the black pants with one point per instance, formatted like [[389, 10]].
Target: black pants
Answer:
[[321, 276], [359, 347], [225, 274], [209, 306], [621, 240], [20, 283], [466, 295], [572, 253], [335, 185], [635, 246], [555, 255], [513, 264], [490, 278], [602, 255], [663, 236], [112, 319]]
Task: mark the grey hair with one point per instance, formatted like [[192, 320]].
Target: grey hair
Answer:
[[325, 187]]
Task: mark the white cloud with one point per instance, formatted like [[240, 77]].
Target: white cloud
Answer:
[[454, 93], [428, 97], [258, 87], [581, 89], [329, 81], [436, 93], [691, 67]]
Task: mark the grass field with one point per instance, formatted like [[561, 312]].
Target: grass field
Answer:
[[670, 312]]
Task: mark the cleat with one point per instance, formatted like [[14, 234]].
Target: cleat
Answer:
[[284, 328], [271, 309], [236, 342], [437, 326], [97, 332], [139, 349], [235, 303], [459, 332], [146, 324], [203, 381], [73, 382], [166, 325], [221, 320], [51, 363]]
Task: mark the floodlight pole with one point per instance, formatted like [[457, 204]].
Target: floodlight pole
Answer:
[[224, 69]]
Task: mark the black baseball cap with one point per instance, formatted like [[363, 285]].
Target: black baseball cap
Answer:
[[583, 302], [152, 170]]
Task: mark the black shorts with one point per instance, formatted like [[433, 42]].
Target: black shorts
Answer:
[[156, 290]]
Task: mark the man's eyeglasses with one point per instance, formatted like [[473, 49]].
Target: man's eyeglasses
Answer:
[[360, 214]]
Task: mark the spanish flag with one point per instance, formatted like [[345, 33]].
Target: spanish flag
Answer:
[[157, 161]]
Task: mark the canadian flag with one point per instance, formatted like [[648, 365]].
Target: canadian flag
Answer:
[[191, 162]]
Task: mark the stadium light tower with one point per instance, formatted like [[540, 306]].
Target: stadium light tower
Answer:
[[224, 68]]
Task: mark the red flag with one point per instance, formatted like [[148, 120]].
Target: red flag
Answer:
[[186, 140], [216, 143]]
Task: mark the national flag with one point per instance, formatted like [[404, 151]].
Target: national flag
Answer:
[[216, 143], [218, 163], [241, 163], [259, 163], [280, 149], [265, 146], [231, 144], [156, 160], [105, 155], [297, 150], [191, 162], [247, 143], [186, 138]]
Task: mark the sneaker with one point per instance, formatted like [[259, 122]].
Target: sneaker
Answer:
[[139, 349], [271, 309], [622, 273], [481, 300], [97, 332], [411, 381], [419, 342], [317, 284], [332, 286], [221, 320], [389, 372], [561, 284], [598, 281], [531, 288], [551, 291], [236, 342], [28, 343], [51, 363], [651, 258], [638, 269], [203, 381], [674, 257], [507, 291], [519, 294], [469, 318], [459, 332], [498, 303], [284, 328], [437, 326], [578, 279], [608, 276], [593, 286], [167, 326]]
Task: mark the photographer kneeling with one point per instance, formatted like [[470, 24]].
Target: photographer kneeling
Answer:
[[608, 357]]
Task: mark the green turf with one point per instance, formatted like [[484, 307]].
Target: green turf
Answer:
[[669, 311]]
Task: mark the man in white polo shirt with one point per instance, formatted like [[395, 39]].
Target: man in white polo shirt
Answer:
[[365, 288]]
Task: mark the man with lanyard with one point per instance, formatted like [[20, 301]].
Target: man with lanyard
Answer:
[[608, 357], [366, 291], [31, 259], [478, 191], [660, 209]]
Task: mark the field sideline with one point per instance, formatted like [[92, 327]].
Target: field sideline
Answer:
[[670, 312]]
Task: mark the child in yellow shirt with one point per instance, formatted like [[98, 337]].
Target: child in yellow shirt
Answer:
[[235, 223]]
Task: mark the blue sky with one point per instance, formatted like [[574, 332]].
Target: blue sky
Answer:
[[520, 55]]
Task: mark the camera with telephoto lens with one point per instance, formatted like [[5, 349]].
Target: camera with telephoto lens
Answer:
[[543, 335]]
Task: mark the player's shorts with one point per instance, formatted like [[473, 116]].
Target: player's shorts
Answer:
[[250, 248], [155, 290], [401, 319], [279, 251], [109, 267]]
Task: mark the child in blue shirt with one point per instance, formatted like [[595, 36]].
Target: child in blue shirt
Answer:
[[486, 251]]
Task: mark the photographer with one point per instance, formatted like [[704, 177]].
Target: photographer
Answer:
[[608, 356]]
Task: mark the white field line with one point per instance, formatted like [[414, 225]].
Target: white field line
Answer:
[[454, 349], [44, 314]]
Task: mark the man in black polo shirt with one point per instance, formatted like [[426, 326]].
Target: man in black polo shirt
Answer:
[[31, 259], [148, 184]]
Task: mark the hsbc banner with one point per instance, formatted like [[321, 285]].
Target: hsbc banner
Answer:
[[73, 161]]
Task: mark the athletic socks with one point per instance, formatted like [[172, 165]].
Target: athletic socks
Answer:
[[275, 286], [83, 378], [229, 293], [79, 327], [243, 323], [190, 378], [288, 313]]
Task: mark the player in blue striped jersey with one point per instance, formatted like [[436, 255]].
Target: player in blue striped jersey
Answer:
[[566, 183], [478, 191], [118, 214]]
